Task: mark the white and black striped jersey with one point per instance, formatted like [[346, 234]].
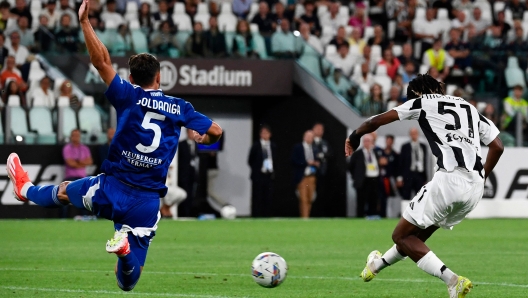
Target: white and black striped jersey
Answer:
[[453, 127]]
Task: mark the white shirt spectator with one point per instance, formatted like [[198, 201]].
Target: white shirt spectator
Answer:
[[345, 64], [112, 17], [42, 99], [21, 54], [335, 23], [427, 28], [315, 43], [455, 23], [53, 18], [480, 25], [360, 80]]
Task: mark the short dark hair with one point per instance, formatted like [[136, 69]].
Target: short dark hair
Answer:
[[266, 127], [143, 68], [389, 137], [424, 84]]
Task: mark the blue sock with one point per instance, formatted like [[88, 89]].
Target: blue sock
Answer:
[[128, 271], [45, 196]]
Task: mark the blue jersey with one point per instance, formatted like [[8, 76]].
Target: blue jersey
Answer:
[[147, 134]]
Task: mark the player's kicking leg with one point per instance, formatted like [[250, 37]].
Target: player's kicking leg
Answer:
[[51, 196]]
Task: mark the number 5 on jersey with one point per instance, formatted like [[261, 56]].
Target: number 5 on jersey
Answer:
[[146, 124]]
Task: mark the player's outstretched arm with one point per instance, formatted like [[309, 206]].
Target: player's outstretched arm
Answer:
[[372, 123], [98, 53], [495, 151], [213, 134]]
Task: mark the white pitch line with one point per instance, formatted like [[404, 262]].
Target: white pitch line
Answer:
[[13, 288], [414, 280]]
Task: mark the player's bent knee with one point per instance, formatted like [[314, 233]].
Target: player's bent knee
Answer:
[[61, 194]]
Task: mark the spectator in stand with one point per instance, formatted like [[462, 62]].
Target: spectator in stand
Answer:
[[4, 52], [340, 38], [121, 44], [404, 14], [392, 63], [495, 40], [501, 23], [283, 44], [104, 148], [13, 88], [490, 114], [445, 4], [12, 73], [517, 8], [413, 165], [342, 59], [5, 14], [311, 18], [433, 72], [145, 18], [407, 56], [310, 39], [68, 36], [195, 44], [121, 5], [66, 89], [374, 103], [26, 35], [241, 8], [512, 106], [364, 77], [52, 15], [355, 41], [76, 156], [163, 42], [461, 21], [111, 16], [243, 44], [409, 72], [437, 57], [518, 46], [379, 38], [281, 13], [458, 50], [215, 45], [264, 19], [162, 15], [366, 58], [99, 29], [305, 168], [464, 5], [21, 9], [43, 37], [17, 50], [332, 18], [426, 30], [43, 96], [64, 8], [365, 172], [339, 84], [378, 13], [360, 20], [479, 24], [395, 98]]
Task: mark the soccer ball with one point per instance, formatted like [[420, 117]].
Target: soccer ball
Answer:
[[228, 212], [269, 269]]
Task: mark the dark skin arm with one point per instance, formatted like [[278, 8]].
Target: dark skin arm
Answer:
[[371, 125], [495, 151]]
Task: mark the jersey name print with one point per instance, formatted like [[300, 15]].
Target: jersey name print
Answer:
[[454, 129], [147, 134]]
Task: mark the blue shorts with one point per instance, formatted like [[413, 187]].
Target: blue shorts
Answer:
[[131, 209]]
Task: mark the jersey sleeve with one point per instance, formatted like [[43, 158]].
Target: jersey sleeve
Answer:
[[410, 110], [120, 93], [487, 130], [195, 120]]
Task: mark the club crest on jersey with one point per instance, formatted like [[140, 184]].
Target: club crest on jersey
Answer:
[[454, 137]]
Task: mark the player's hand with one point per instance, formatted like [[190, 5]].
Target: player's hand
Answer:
[[348, 148], [83, 10], [198, 138]]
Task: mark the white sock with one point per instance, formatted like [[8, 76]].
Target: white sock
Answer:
[[25, 188], [392, 256], [431, 264]]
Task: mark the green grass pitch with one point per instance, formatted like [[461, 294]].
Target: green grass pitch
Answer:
[[209, 259]]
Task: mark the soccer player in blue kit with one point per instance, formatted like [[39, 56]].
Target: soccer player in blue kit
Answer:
[[133, 179]]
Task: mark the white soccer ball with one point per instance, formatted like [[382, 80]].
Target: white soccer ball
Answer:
[[269, 269], [228, 212]]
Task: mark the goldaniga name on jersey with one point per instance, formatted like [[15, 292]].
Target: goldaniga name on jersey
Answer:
[[139, 160], [453, 137], [159, 105]]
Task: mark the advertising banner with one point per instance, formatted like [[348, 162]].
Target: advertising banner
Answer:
[[191, 76]]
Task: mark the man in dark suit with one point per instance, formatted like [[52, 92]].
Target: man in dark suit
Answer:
[[365, 172], [261, 160], [324, 152], [413, 165], [305, 168], [188, 165]]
